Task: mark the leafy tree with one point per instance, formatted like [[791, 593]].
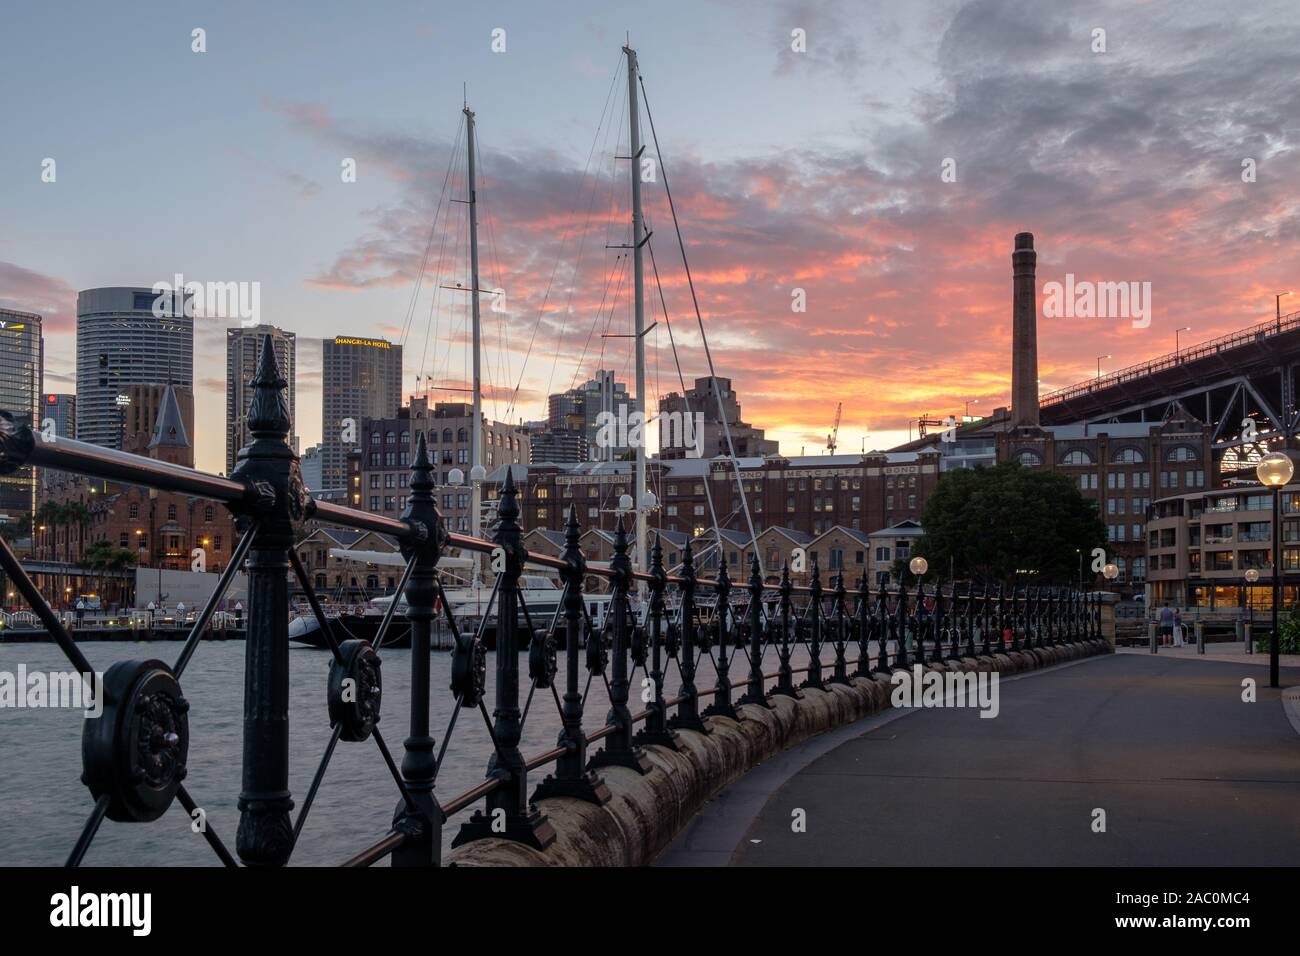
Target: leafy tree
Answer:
[[103, 556], [1001, 523]]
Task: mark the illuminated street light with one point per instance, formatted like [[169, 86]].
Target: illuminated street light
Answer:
[[918, 566], [1274, 471]]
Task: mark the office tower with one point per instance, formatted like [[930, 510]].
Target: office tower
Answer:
[[60, 409], [121, 342], [580, 409], [360, 378], [241, 365], [21, 373]]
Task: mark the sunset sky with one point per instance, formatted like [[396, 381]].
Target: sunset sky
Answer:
[[818, 170]]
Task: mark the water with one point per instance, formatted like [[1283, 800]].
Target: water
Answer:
[[43, 804]]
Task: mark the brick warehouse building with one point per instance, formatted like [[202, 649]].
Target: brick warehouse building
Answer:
[[162, 528]]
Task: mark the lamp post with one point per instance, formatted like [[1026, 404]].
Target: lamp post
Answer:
[[969, 403], [1274, 471], [1099, 358], [1185, 328], [1277, 306], [1252, 575]]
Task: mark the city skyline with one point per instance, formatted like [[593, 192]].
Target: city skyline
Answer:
[[1127, 166]]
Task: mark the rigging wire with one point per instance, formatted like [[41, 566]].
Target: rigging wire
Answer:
[[681, 244]]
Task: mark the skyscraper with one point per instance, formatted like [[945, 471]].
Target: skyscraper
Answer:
[[121, 342], [361, 378], [21, 371], [242, 346]]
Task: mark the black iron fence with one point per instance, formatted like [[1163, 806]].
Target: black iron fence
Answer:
[[134, 755]]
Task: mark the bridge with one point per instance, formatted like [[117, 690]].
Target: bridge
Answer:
[[1250, 373], [807, 660]]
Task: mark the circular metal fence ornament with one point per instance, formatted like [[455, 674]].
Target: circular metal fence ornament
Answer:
[[135, 750], [355, 690]]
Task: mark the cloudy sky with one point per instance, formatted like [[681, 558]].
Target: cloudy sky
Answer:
[[819, 170]]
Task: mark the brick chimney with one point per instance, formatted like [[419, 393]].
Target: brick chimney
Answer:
[[1024, 333]]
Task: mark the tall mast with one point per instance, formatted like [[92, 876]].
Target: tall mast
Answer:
[[638, 272], [476, 436]]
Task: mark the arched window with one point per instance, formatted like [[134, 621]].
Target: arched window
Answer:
[[433, 436], [406, 438], [446, 435], [1076, 456], [374, 438], [390, 437], [1127, 456], [461, 434], [1181, 453], [1029, 459]]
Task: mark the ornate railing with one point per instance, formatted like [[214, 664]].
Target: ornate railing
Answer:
[[134, 755]]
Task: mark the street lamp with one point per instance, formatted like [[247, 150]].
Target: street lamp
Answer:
[[969, 403], [1274, 471], [1110, 572], [918, 566], [1252, 575], [1185, 328], [1099, 358], [1277, 305]]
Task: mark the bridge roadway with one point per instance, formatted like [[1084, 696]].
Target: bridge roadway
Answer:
[[1186, 772]]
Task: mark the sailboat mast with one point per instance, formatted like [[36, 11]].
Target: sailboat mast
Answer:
[[476, 433], [638, 272]]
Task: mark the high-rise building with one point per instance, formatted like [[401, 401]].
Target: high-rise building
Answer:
[[242, 346], [690, 425], [22, 366], [579, 410], [122, 342], [361, 378], [60, 408]]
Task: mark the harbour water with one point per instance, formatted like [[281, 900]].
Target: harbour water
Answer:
[[46, 804]]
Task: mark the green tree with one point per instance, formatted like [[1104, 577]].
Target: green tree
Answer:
[[1001, 523], [102, 556]]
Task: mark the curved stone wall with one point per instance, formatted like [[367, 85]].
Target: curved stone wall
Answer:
[[648, 810]]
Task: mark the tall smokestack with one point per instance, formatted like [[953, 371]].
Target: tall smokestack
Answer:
[[1024, 332]]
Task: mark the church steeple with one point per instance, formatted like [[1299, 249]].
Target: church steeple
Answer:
[[170, 442]]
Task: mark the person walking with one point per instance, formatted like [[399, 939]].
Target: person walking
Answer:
[[1178, 628]]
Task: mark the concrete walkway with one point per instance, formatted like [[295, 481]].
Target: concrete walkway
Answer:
[[1186, 773], [1233, 651]]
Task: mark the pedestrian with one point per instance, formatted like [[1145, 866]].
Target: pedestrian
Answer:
[[1166, 624], [1178, 627]]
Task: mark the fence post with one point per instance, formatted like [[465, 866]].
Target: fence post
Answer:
[[419, 766], [509, 814], [901, 627], [841, 673], [785, 674], [864, 627], [754, 693], [619, 750], [882, 624], [656, 724], [571, 777], [814, 678], [688, 709], [722, 705], [269, 470]]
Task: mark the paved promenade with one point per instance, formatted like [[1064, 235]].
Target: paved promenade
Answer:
[[1186, 773]]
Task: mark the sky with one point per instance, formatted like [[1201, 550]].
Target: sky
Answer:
[[883, 170]]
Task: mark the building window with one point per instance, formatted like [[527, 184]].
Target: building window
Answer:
[[134, 510], [1076, 457], [1127, 456], [171, 512], [1029, 459]]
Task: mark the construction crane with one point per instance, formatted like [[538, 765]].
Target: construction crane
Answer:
[[833, 438]]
